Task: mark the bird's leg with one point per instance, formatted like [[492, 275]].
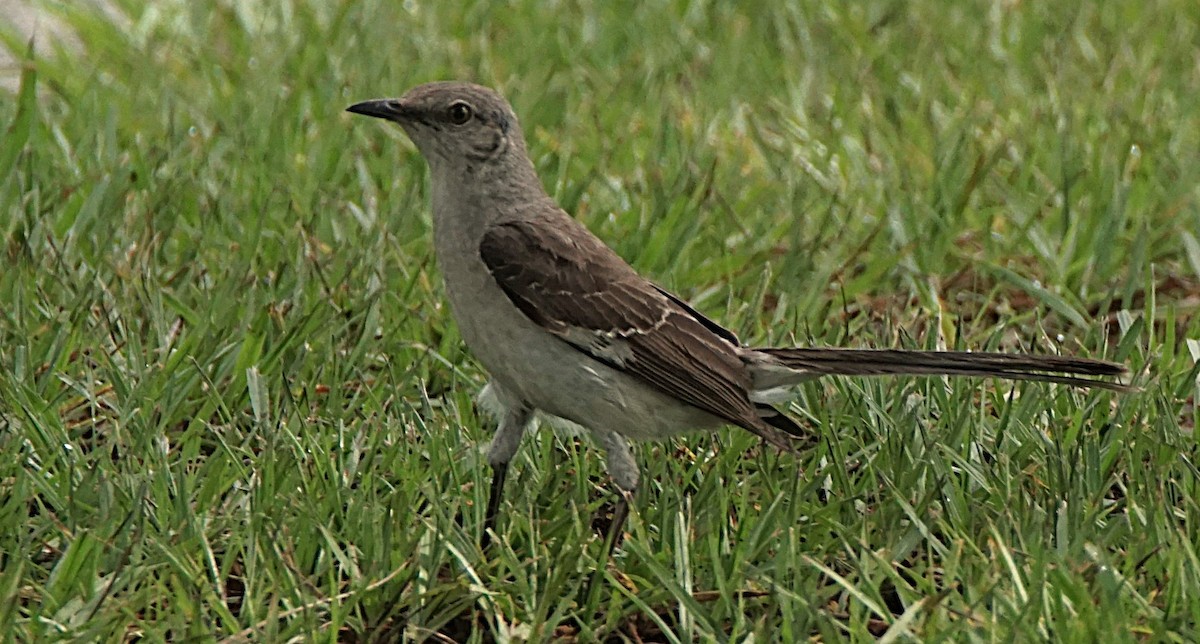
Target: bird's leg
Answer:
[[499, 473], [514, 418], [620, 513], [624, 472]]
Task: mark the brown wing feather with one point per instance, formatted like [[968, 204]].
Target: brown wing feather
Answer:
[[574, 286]]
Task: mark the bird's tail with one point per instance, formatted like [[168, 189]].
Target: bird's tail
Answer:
[[807, 363]]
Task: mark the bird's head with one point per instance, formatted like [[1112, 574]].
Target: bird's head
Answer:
[[453, 124]]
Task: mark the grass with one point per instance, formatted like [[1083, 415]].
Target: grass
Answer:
[[233, 406]]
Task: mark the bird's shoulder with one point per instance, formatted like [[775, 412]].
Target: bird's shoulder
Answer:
[[558, 272]]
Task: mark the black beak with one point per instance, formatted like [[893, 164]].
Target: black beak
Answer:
[[383, 108]]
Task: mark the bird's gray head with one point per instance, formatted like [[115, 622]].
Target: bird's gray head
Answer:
[[453, 124]]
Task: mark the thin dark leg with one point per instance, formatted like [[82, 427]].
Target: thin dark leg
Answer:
[[620, 514], [513, 421], [624, 472], [615, 530], [499, 473]]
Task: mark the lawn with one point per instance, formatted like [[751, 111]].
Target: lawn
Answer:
[[234, 407]]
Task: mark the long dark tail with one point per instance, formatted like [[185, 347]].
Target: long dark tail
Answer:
[[878, 362]]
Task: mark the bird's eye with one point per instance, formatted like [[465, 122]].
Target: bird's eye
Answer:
[[459, 113]]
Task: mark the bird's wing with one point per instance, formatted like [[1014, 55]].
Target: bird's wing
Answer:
[[566, 280]]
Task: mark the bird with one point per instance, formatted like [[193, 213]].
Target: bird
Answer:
[[566, 328]]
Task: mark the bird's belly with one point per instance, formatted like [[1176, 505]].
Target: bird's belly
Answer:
[[560, 380]]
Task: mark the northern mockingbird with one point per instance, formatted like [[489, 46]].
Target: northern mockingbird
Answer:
[[565, 327]]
